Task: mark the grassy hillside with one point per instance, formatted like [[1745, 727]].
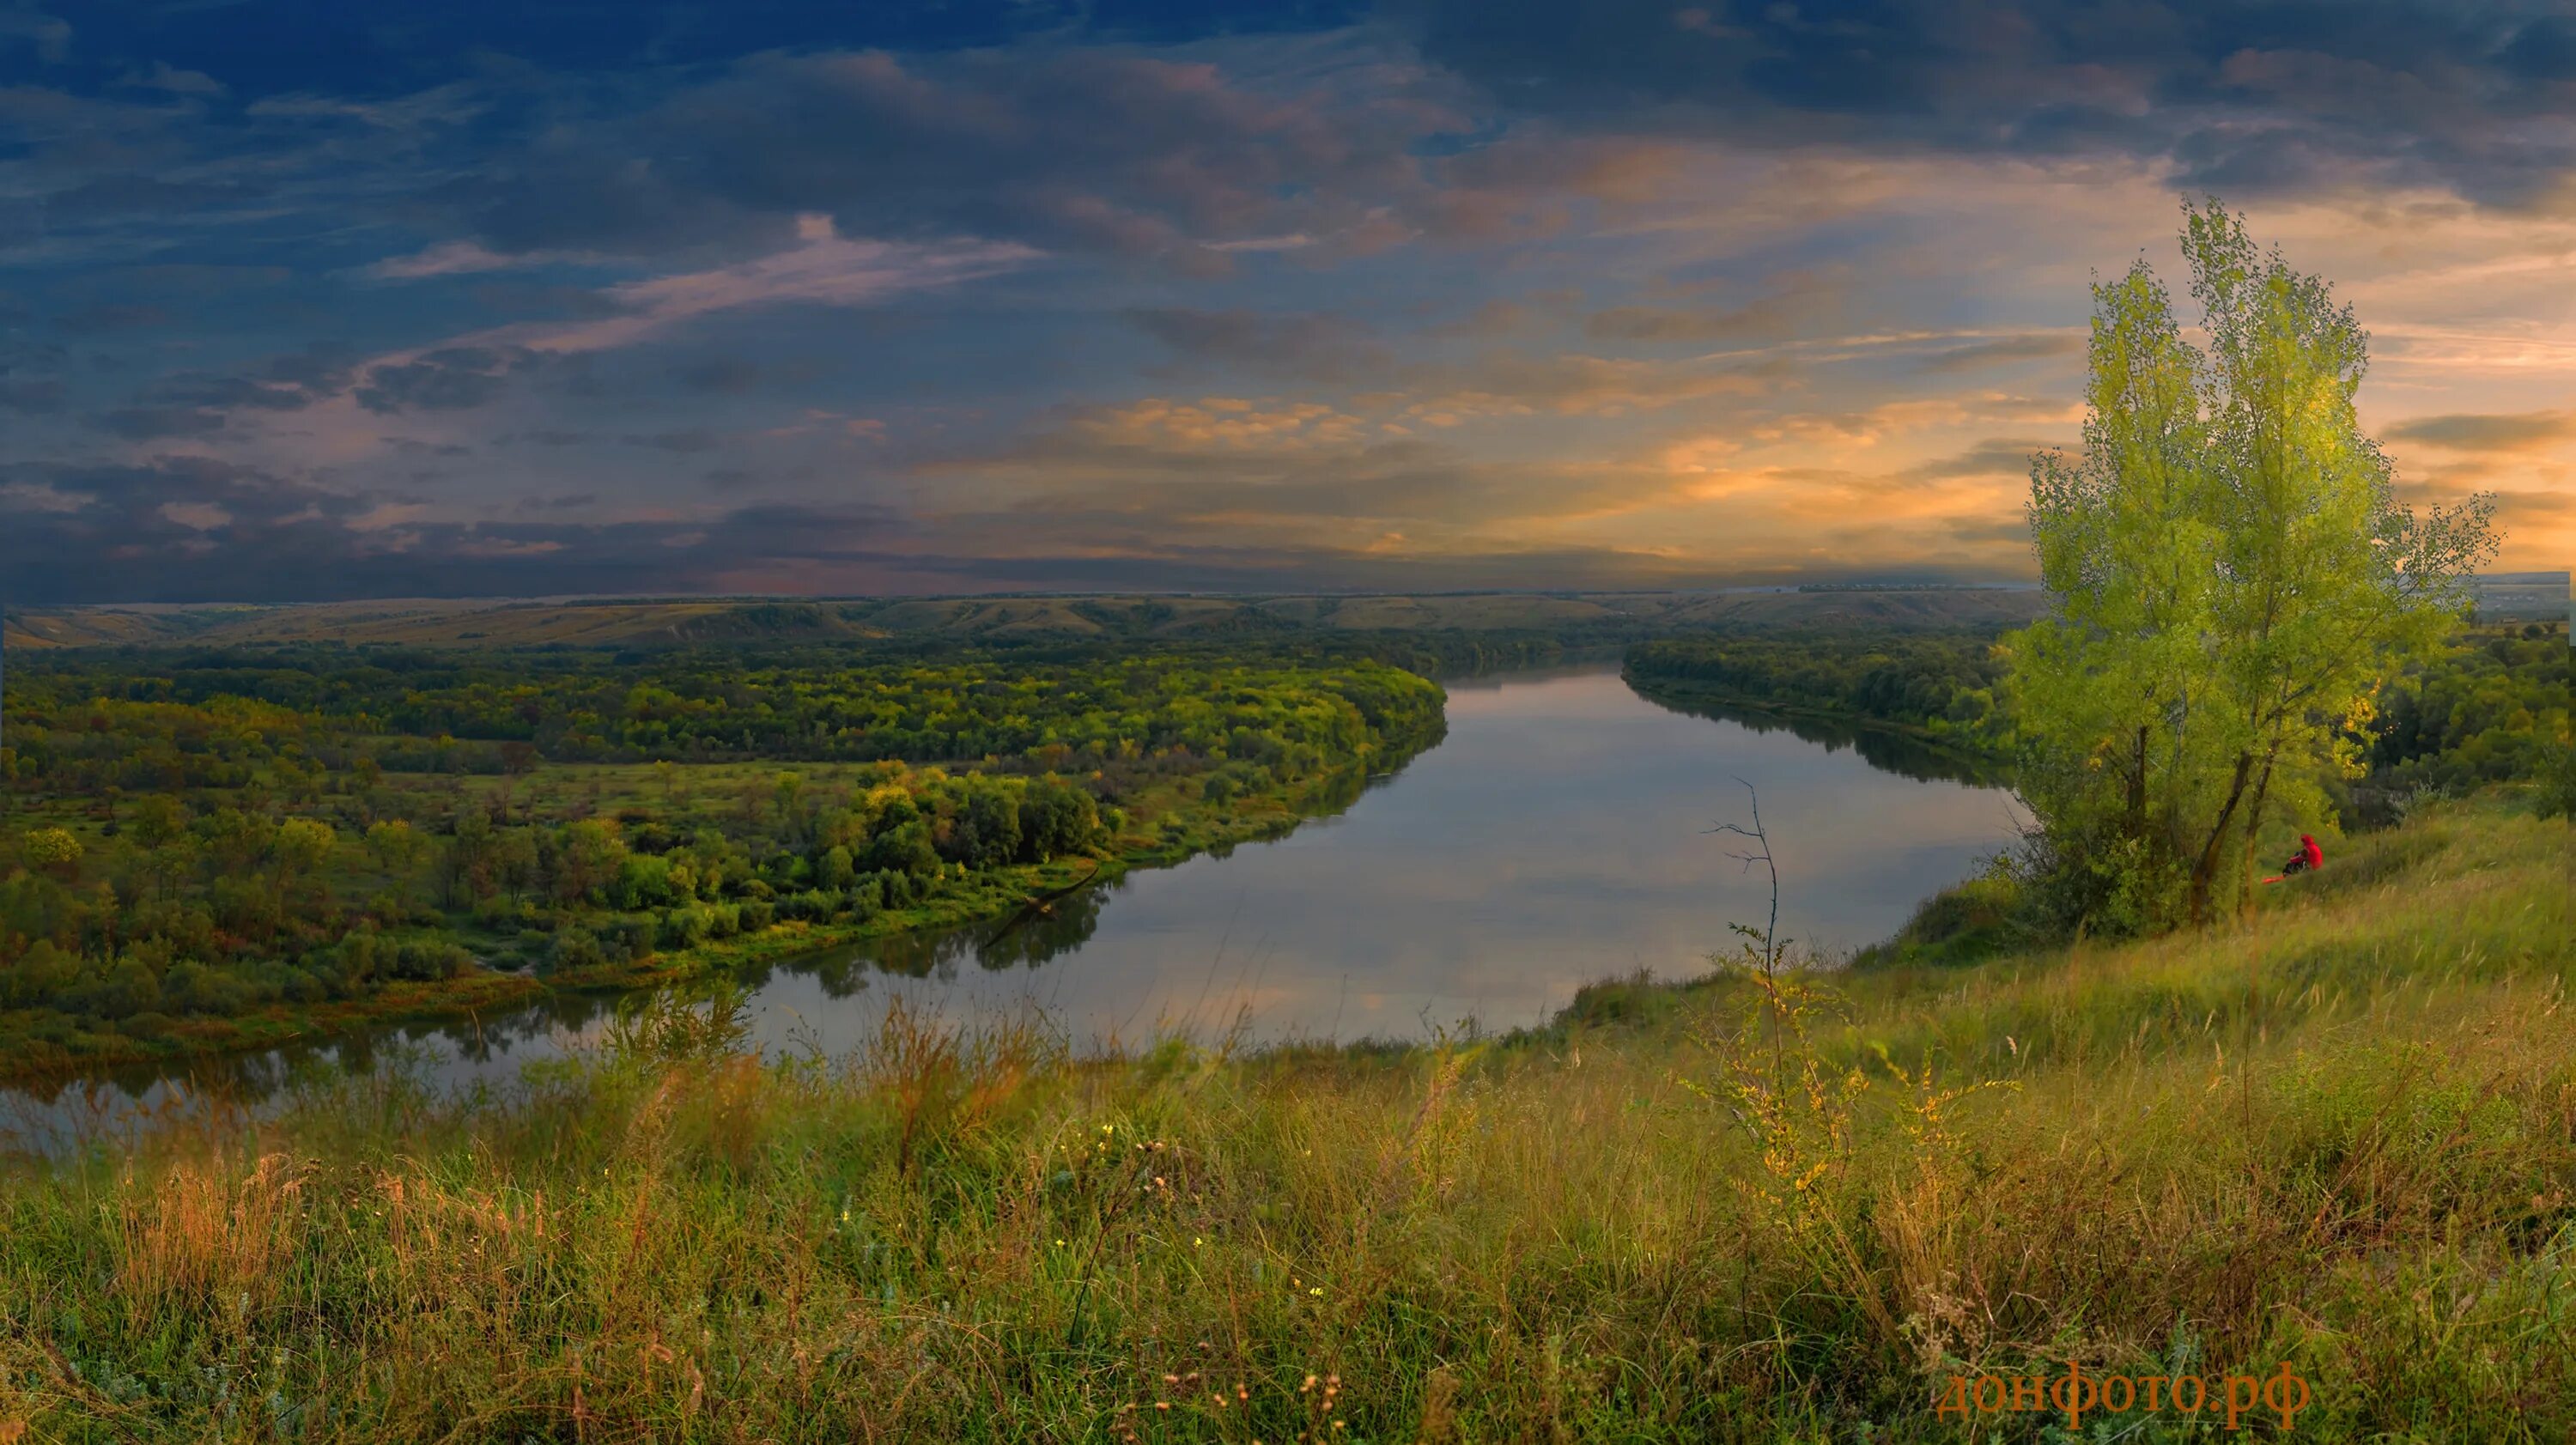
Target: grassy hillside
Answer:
[[2341, 1140]]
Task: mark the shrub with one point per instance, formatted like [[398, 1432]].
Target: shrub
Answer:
[[426, 960], [53, 848], [573, 948], [682, 928], [628, 938]]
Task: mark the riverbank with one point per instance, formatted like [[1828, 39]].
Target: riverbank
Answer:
[[2337, 1140], [1980, 758], [963, 900]]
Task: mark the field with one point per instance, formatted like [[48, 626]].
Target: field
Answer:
[[2341, 1139]]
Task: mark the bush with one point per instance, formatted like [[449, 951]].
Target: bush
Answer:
[[628, 938], [53, 848], [682, 928], [425, 960], [193, 988], [575, 947], [643, 881], [39, 974], [125, 988], [757, 915]]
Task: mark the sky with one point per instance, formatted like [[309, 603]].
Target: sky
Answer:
[[306, 300]]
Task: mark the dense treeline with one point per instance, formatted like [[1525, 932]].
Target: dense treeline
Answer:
[[2491, 708], [445, 711], [197, 837], [1940, 683]]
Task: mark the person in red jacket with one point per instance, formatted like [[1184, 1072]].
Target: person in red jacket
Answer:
[[2308, 859]]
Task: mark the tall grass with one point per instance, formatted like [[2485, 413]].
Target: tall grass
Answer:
[[2343, 1138]]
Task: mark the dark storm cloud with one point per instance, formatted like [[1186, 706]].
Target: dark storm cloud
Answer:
[[2272, 95]]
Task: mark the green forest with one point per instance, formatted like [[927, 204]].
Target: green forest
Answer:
[[2489, 706], [208, 848]]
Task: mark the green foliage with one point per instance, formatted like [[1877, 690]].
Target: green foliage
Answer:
[[2558, 784], [2492, 708], [1938, 683], [52, 848], [314, 833], [2236, 579], [163, 721]]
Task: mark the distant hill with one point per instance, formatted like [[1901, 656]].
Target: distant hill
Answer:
[[2523, 596], [646, 622]]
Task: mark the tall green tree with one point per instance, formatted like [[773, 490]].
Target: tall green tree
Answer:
[[2235, 574]]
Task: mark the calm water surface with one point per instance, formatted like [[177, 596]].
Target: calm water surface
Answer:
[[1557, 836]]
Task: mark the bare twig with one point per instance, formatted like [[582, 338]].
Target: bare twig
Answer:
[[1771, 931]]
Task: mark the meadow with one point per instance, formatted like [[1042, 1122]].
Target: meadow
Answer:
[[2340, 1138]]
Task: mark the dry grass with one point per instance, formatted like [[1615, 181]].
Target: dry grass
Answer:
[[2345, 1140]]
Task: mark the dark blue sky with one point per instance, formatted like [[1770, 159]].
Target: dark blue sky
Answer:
[[303, 300]]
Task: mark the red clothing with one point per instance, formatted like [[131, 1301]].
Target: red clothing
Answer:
[[2315, 855]]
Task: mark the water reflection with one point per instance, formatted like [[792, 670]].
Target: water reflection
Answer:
[[1882, 748], [1557, 835]]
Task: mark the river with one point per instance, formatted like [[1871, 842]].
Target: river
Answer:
[[1558, 835]]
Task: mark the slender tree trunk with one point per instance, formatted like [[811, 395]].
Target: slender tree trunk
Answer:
[[2204, 869], [2253, 831], [2138, 786]]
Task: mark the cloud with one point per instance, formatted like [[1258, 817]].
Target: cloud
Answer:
[[2259, 98], [194, 529], [1316, 347], [2005, 351], [165, 77], [1125, 295], [451, 378], [40, 397], [687, 441], [2488, 432], [1053, 147], [144, 423], [1997, 458], [822, 270], [451, 258], [1788, 303]]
